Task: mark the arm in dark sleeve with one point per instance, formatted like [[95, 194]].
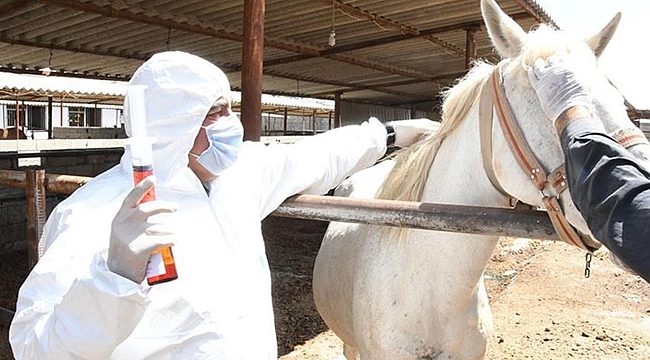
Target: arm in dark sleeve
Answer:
[[611, 189]]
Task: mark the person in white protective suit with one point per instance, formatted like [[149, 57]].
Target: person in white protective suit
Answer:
[[86, 298]]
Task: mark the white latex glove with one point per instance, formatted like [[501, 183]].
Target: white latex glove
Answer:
[[559, 85], [133, 236], [407, 132]]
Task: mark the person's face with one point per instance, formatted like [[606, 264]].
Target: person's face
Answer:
[[221, 108]]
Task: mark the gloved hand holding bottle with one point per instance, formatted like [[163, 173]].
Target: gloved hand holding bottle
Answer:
[[134, 236]]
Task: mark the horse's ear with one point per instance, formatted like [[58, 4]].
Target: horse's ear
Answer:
[[507, 36], [599, 42]]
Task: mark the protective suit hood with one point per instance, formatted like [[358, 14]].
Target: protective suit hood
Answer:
[[181, 88]]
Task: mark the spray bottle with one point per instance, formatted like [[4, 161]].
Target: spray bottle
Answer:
[[161, 266]]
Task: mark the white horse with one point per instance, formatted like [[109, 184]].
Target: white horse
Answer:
[[415, 294]]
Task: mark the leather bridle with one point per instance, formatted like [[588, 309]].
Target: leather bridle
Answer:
[[493, 100]]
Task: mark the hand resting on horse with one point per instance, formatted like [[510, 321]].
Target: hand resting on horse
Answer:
[[560, 85], [608, 184], [408, 132]]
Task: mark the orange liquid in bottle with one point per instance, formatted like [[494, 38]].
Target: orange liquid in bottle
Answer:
[[161, 267]]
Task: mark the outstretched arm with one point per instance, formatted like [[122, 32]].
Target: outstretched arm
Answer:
[[319, 163]]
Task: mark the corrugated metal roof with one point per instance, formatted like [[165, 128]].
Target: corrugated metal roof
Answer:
[[387, 51], [288, 101], [38, 87]]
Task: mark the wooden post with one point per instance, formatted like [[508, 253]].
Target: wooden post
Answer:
[[337, 109], [286, 116], [413, 111], [330, 120], [470, 47], [313, 121], [251, 72], [49, 117], [17, 120], [35, 189]]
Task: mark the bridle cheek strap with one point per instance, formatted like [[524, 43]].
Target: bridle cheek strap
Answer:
[[525, 157]]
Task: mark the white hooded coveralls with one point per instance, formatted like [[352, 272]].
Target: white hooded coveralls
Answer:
[[72, 307]]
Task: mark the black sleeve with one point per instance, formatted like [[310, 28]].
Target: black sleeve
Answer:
[[611, 188]]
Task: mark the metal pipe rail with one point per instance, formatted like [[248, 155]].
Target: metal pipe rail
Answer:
[[440, 217]]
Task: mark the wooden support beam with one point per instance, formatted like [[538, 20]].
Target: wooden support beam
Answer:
[[337, 110], [50, 126], [252, 57], [470, 47], [285, 120]]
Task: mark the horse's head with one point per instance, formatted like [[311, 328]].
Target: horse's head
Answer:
[[519, 51]]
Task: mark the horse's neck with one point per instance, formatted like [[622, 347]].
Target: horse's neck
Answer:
[[456, 175]]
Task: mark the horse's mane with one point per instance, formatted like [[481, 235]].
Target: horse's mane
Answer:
[[407, 179]]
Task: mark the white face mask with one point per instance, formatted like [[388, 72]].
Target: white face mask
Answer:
[[225, 137]]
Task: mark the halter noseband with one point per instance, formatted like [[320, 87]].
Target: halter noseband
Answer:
[[493, 100]]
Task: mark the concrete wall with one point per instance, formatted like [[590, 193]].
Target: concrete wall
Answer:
[[13, 206], [88, 133]]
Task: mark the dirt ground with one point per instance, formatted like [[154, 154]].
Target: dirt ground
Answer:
[[543, 306]]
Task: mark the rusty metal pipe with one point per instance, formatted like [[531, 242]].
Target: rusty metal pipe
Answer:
[[451, 218], [61, 184]]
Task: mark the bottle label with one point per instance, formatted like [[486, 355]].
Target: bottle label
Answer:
[[156, 265]]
